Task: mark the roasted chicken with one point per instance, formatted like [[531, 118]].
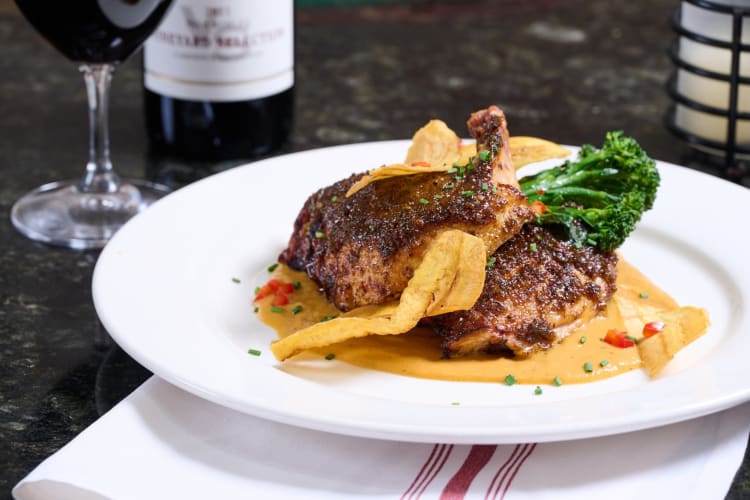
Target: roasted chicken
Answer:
[[363, 249], [537, 289]]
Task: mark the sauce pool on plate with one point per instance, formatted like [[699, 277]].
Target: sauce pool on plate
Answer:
[[581, 357]]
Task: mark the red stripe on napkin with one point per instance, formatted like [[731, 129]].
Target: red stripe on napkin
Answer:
[[507, 472], [430, 469], [505, 465], [459, 484], [517, 468]]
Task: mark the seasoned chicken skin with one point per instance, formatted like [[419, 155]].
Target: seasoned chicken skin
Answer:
[[363, 249], [538, 288]]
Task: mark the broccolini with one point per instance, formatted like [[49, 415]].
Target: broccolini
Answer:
[[598, 198]]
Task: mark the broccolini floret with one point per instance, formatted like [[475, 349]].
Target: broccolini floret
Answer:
[[598, 198]]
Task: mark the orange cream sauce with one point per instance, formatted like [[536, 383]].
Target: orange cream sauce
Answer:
[[418, 354]]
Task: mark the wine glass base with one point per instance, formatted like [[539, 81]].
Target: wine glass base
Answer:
[[59, 213]]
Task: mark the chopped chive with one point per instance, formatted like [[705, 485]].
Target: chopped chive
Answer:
[[532, 247], [254, 352], [319, 234], [468, 193], [491, 261], [557, 381], [257, 290], [603, 363], [334, 199], [297, 309], [330, 356], [296, 285], [510, 379], [537, 391], [455, 403], [273, 267], [255, 309], [588, 367], [424, 201], [494, 149], [452, 170], [631, 338], [484, 155], [277, 309], [485, 186], [448, 186], [582, 340], [578, 244], [326, 318], [643, 295], [236, 280], [438, 196]]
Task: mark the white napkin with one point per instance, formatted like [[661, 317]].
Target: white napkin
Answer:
[[161, 442]]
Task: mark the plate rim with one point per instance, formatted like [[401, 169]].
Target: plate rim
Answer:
[[350, 427]]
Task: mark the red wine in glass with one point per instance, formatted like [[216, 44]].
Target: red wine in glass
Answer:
[[95, 34]]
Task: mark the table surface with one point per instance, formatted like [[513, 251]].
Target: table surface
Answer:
[[566, 70]]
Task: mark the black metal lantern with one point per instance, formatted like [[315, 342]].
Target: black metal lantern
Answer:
[[693, 112]]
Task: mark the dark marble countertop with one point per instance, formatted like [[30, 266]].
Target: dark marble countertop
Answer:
[[567, 70]]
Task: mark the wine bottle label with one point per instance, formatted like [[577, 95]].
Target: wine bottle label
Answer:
[[222, 50]]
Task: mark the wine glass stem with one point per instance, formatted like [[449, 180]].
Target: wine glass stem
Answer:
[[100, 177]]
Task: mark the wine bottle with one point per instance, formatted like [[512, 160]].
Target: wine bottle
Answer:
[[219, 79]]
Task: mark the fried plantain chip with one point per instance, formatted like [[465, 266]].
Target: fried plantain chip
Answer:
[[434, 144], [526, 150], [436, 148], [681, 327], [449, 278], [658, 350], [467, 280], [653, 355], [395, 170], [635, 314]]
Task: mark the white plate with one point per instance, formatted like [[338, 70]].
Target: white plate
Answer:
[[164, 289]]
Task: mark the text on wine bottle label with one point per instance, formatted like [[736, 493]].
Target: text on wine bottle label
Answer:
[[222, 50]]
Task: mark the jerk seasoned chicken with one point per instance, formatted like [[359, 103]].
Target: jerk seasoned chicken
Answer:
[[537, 289], [363, 249]]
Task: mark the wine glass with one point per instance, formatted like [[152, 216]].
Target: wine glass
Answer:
[[96, 34]]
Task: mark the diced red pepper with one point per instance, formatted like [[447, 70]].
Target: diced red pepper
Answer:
[[540, 191], [652, 328], [538, 207], [264, 292], [420, 164], [280, 299], [618, 338], [275, 287]]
